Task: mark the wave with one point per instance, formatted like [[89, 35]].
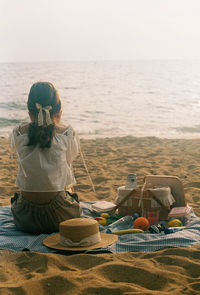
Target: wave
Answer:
[[4, 122], [12, 106]]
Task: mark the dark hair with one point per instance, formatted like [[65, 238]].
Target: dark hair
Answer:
[[44, 94]]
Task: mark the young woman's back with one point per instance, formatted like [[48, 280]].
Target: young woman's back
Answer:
[[45, 150]]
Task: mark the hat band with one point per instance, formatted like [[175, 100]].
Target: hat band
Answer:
[[88, 241]]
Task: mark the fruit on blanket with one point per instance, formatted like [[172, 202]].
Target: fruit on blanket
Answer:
[[174, 223], [141, 223], [105, 215], [128, 231], [101, 220]]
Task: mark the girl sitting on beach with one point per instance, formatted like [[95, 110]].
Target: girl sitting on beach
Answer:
[[45, 151]]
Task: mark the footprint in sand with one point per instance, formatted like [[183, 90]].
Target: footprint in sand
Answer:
[[192, 184], [196, 199], [195, 286], [2, 190], [83, 186], [100, 179], [57, 284], [131, 274], [105, 290], [14, 290], [83, 263], [190, 167], [192, 268]]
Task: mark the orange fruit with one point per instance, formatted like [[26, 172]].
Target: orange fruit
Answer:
[[141, 223]]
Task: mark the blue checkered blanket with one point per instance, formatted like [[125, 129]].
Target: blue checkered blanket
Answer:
[[11, 238]]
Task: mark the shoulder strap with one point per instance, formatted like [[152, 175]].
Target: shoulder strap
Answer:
[[18, 130], [13, 147], [69, 130], [65, 131]]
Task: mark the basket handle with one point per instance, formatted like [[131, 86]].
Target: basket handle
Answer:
[[141, 201], [153, 197], [124, 199], [159, 202]]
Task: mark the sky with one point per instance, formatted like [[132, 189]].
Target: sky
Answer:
[[58, 30]]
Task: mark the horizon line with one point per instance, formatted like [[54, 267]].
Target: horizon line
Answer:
[[101, 60]]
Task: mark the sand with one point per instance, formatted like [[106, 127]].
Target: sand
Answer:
[[109, 160]]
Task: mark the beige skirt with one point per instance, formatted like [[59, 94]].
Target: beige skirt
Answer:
[[44, 218]]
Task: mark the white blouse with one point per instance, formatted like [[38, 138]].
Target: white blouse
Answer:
[[49, 169]]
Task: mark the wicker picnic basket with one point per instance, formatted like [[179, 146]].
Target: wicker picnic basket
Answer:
[[140, 199]]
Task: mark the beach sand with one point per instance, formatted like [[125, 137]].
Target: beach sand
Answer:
[[109, 160]]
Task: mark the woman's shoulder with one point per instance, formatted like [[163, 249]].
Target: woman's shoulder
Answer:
[[21, 129], [60, 129], [65, 130]]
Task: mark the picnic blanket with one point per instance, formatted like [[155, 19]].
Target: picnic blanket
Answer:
[[13, 239]]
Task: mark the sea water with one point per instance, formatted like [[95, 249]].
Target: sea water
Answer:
[[110, 98]]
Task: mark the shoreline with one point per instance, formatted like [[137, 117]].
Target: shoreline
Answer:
[[103, 136]]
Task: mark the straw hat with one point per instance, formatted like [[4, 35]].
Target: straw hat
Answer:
[[79, 234]]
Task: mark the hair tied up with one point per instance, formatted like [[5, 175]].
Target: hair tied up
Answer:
[[40, 114], [43, 104]]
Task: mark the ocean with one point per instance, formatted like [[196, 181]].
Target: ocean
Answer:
[[110, 98]]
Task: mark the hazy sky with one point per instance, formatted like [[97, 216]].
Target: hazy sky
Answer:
[[37, 30]]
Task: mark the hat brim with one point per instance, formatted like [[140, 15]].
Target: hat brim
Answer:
[[53, 242]]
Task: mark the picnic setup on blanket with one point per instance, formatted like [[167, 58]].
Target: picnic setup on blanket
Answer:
[[146, 218]]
